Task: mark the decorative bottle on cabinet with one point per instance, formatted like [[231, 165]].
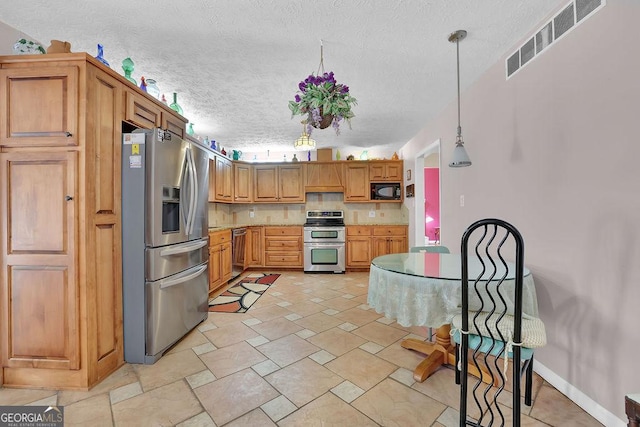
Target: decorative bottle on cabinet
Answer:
[[127, 66], [174, 105], [100, 56]]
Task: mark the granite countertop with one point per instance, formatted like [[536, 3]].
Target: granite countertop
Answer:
[[232, 226]]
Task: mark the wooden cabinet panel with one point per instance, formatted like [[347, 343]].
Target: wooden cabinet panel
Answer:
[[255, 247], [219, 259], [390, 230], [142, 112], [39, 106], [38, 298], [358, 251], [356, 178], [283, 231], [220, 180], [243, 184], [215, 267], [365, 242], [282, 184], [385, 170], [173, 124], [283, 246], [226, 261], [323, 176]]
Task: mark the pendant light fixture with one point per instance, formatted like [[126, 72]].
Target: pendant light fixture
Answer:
[[460, 156], [305, 142]]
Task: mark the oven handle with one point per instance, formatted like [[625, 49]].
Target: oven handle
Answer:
[[312, 245]]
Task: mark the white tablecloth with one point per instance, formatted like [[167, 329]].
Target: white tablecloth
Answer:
[[422, 301]]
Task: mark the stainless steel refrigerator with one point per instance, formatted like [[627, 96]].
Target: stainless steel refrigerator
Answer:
[[165, 246]]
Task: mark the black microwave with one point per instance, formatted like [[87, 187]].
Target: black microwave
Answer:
[[386, 191]]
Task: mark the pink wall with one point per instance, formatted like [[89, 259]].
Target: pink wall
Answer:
[[431, 201], [554, 152]]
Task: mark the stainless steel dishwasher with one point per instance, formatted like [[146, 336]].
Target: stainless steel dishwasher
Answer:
[[238, 239]]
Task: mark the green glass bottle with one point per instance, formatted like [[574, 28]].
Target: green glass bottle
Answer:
[[174, 105], [127, 66], [190, 130]]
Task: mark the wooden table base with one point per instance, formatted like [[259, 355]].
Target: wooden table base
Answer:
[[439, 353]]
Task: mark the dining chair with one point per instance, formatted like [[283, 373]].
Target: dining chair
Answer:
[[435, 248], [497, 333]]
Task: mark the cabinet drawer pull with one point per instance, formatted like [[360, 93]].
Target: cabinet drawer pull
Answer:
[[68, 134], [68, 198]]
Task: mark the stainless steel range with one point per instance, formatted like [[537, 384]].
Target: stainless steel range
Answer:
[[324, 242]]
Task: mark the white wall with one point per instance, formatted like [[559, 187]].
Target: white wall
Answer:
[[555, 151], [8, 37]]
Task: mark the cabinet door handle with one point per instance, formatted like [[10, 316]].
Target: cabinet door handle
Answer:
[[68, 134], [68, 198]]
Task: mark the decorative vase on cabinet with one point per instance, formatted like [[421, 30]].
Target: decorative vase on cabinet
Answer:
[[174, 105]]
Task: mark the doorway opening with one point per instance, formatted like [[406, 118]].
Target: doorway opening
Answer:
[[428, 229]]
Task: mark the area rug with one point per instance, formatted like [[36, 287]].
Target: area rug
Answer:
[[239, 297]]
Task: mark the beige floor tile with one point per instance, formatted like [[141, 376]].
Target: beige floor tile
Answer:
[[420, 331], [336, 341], [95, 411], [358, 316], [347, 391], [16, 396], [163, 406], [554, 408], [123, 376], [305, 308], [403, 357], [327, 410], [254, 418], [192, 339], [264, 301], [379, 333], [325, 294], [125, 392], [361, 368], [393, 404], [319, 322], [201, 378], [168, 369], [287, 350], [230, 334], [277, 328], [222, 319], [235, 395], [234, 358], [303, 381], [278, 408], [201, 420], [295, 296], [339, 303], [270, 312]]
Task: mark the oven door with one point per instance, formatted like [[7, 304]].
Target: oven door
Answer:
[[324, 257], [324, 234]]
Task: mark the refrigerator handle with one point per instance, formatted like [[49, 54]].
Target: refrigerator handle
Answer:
[[184, 171], [194, 191], [172, 282], [182, 249]]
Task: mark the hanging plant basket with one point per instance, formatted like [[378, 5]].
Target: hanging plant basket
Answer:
[[322, 90]]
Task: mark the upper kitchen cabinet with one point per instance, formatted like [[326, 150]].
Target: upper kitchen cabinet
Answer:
[[278, 183], [323, 177], [242, 183], [356, 178], [385, 170], [39, 105], [220, 180], [146, 113]]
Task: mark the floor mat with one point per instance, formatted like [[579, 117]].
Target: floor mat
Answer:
[[239, 297]]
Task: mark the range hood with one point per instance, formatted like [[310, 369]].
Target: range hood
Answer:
[[324, 177]]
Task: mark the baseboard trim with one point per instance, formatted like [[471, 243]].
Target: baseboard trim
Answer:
[[589, 405]]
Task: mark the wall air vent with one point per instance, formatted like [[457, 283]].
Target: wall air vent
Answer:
[[566, 20]]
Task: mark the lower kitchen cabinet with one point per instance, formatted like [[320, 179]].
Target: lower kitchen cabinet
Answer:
[[283, 246], [365, 242], [254, 247], [219, 259]]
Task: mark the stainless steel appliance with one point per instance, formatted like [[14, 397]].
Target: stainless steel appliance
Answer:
[[165, 246], [238, 239], [386, 191], [324, 242]]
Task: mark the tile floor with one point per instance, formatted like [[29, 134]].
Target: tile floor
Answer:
[[309, 352]]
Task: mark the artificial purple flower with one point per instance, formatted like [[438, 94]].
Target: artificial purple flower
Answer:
[[298, 99]]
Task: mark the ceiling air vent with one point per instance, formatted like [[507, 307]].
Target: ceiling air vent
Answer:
[[566, 20]]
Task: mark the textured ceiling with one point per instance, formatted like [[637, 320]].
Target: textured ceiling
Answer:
[[235, 64]]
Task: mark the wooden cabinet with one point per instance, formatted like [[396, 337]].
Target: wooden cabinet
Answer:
[[283, 246], [254, 247], [389, 240], [60, 221], [365, 242], [358, 246], [356, 178], [391, 170], [324, 177], [279, 183], [145, 113], [39, 106], [219, 259], [220, 180], [242, 183]]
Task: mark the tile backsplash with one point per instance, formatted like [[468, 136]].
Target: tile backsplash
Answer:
[[221, 214]]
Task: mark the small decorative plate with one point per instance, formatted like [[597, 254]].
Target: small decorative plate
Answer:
[[27, 47]]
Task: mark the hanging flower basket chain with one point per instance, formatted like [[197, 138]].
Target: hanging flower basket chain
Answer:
[[323, 100]]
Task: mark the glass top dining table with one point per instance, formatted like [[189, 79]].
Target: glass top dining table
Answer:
[[424, 289]]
